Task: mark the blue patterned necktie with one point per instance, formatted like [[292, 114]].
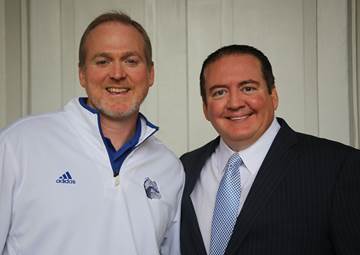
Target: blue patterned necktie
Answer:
[[226, 206]]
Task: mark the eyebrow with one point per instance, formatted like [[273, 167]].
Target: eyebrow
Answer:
[[248, 81], [130, 54], [124, 56], [216, 86], [102, 55], [241, 83]]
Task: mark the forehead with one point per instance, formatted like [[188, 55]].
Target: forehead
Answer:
[[114, 35], [233, 67], [234, 62]]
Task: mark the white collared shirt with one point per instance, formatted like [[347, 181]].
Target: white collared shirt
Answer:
[[204, 194]]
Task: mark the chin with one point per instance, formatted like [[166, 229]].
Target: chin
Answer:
[[238, 138], [120, 113]]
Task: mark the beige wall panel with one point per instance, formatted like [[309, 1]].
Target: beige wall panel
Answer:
[[171, 77], [333, 64], [13, 38], [3, 109], [69, 57], [354, 91], [311, 105], [356, 73], [45, 56], [25, 75], [306, 41]]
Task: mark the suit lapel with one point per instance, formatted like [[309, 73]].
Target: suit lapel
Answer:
[[190, 226], [194, 165], [270, 174], [189, 223]]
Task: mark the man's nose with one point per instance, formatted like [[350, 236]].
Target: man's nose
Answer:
[[117, 71], [235, 99]]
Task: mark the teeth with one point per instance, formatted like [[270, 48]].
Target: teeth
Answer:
[[239, 118], [117, 90]]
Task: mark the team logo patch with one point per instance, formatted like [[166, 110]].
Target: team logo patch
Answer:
[[151, 189], [66, 178]]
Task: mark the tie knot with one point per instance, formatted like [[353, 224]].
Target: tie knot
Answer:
[[234, 161]]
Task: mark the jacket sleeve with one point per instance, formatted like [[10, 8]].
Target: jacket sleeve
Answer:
[[345, 209], [171, 241], [7, 186]]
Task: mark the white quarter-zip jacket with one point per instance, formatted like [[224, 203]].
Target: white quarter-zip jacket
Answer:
[[58, 194]]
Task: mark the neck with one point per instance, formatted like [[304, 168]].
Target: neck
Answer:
[[119, 131]]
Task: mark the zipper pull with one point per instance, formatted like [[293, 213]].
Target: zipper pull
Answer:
[[117, 180]]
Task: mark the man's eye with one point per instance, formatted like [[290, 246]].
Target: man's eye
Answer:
[[101, 62], [248, 89], [219, 93], [132, 61]]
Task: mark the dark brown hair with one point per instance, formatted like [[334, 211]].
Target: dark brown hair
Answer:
[[238, 50]]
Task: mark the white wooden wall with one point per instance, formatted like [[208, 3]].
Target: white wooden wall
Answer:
[[2, 65], [308, 43]]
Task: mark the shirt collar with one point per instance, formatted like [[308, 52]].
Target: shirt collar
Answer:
[[252, 156], [147, 128]]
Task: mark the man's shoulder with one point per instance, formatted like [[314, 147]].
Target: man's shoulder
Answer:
[[154, 145], [30, 121], [311, 144], [319, 144]]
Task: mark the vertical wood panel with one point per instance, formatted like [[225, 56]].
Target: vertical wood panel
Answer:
[[170, 73], [310, 68], [356, 70], [227, 22], [305, 40], [333, 67], [24, 14], [45, 56], [69, 60], [13, 60], [3, 109]]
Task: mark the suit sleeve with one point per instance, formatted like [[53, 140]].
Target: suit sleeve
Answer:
[[7, 184], [345, 213], [171, 242]]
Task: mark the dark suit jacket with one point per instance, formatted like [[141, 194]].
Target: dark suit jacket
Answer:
[[305, 200]]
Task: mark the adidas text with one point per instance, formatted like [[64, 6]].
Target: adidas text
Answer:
[[65, 181]]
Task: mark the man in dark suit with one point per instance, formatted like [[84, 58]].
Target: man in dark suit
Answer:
[[294, 193]]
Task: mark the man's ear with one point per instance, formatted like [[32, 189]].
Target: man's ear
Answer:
[[151, 75], [82, 76], [205, 110], [275, 98]]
